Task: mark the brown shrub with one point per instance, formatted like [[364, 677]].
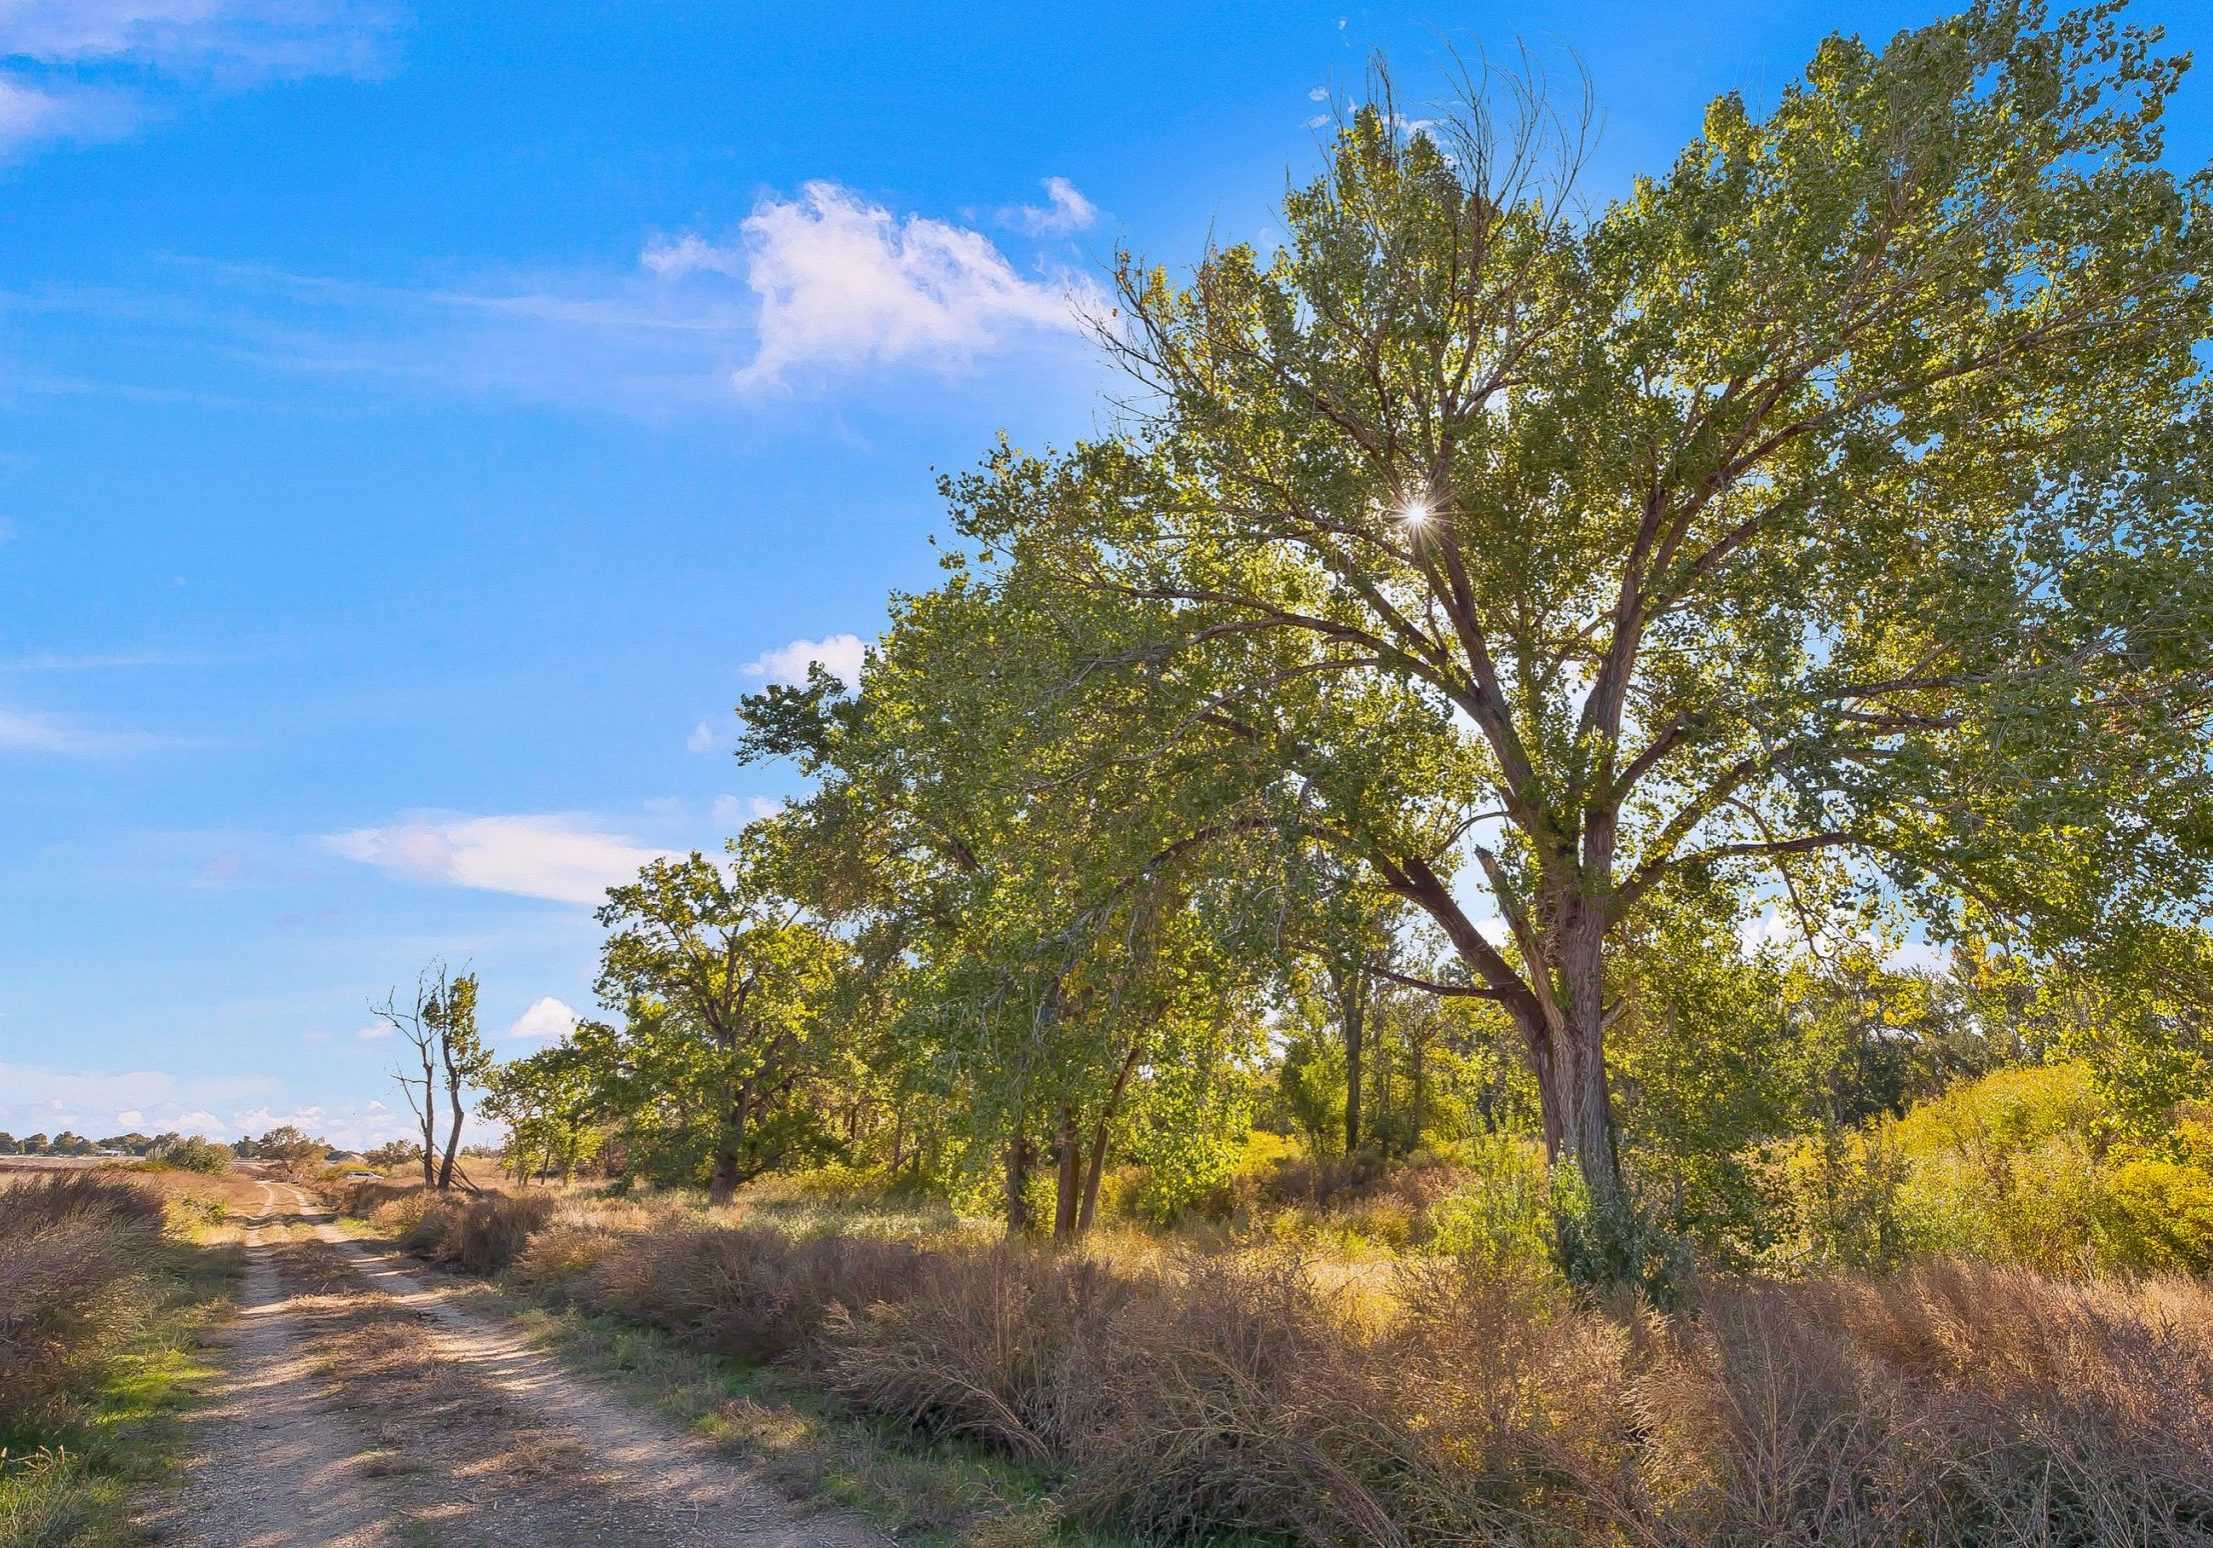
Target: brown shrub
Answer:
[[749, 1291], [1956, 1402], [364, 1199], [482, 1233], [1230, 1399], [562, 1253], [493, 1228], [997, 1344], [72, 1246], [427, 1222], [1339, 1181]]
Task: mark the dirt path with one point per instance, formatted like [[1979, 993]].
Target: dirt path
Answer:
[[271, 1466], [361, 1407]]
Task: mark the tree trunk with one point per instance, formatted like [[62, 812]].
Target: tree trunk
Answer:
[[722, 1182], [1069, 1178], [1097, 1166], [1419, 1118], [430, 1127], [1351, 985], [454, 1115], [1018, 1179], [1571, 1065]]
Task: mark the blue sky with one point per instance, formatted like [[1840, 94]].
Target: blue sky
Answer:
[[418, 426]]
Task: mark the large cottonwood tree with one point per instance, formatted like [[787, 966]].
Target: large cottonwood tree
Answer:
[[1826, 513]]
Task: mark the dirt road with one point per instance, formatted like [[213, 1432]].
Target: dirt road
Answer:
[[359, 1406]]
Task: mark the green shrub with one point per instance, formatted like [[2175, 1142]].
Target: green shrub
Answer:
[[193, 1155], [2014, 1168], [1502, 1213]]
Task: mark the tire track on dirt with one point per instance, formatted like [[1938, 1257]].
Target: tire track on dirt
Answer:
[[271, 1466], [721, 1499], [295, 1447]]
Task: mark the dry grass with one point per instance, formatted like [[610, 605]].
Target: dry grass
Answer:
[[1956, 1402], [749, 1291], [1180, 1392], [105, 1277], [74, 1247]]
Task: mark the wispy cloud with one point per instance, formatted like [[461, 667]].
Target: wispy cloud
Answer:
[[822, 290], [102, 660], [92, 69], [1064, 212], [843, 284], [32, 1097], [28, 731], [841, 655], [558, 856]]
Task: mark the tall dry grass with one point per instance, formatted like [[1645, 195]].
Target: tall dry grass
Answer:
[[73, 1249], [1182, 1394]]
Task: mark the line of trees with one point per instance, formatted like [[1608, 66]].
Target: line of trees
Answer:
[[1515, 664]]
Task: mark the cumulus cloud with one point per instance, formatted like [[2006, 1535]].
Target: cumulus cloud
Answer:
[[79, 67], [35, 1099], [546, 1018], [702, 738], [1065, 210], [841, 656], [559, 856], [843, 283]]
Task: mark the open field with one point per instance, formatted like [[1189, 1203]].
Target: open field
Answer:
[[54, 1163]]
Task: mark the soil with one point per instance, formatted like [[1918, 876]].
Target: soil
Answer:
[[360, 1406]]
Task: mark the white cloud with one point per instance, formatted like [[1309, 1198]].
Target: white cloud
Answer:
[[373, 1031], [843, 283], [546, 1018], [840, 654], [33, 1099], [1065, 210], [62, 49], [278, 37], [29, 731], [31, 113], [702, 738], [1918, 957], [559, 856]]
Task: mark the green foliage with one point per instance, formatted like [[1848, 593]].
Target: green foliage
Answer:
[[196, 1154], [1504, 610], [723, 979], [1504, 1215], [2016, 1167], [1310, 1078]]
